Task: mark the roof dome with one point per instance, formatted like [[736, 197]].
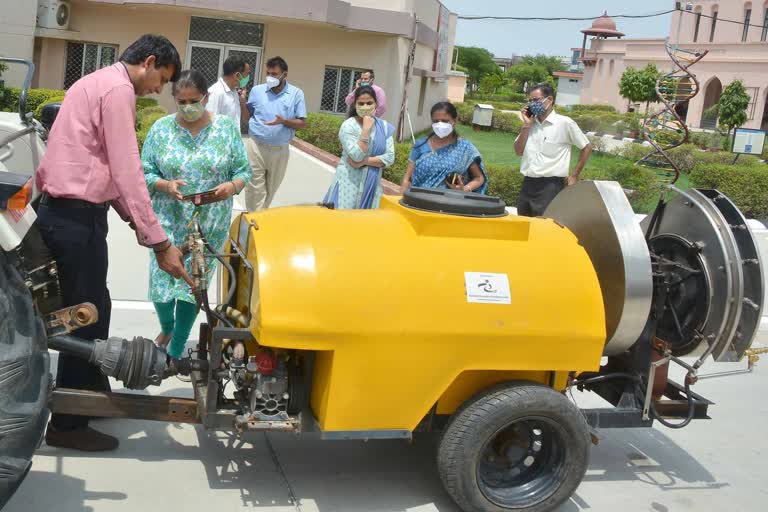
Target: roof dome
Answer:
[[604, 26]]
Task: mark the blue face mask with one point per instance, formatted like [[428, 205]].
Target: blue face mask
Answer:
[[536, 108]]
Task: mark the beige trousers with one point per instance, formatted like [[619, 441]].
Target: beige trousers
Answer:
[[268, 164]]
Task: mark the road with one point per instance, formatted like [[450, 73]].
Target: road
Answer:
[[711, 465]]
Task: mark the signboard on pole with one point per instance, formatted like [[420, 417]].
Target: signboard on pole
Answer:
[[442, 53], [748, 142]]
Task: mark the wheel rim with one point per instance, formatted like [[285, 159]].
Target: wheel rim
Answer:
[[523, 463]]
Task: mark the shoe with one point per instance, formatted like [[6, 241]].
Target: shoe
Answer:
[[86, 439]]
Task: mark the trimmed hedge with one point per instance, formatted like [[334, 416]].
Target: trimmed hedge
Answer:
[[35, 98], [745, 184], [517, 97], [688, 157], [39, 110], [466, 111], [145, 118], [640, 183], [322, 130], [506, 122], [591, 108], [504, 181]]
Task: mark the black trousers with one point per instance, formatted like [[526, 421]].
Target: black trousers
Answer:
[[536, 195], [77, 238]]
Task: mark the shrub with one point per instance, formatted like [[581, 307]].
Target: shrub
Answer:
[[504, 182], [35, 97], [39, 110], [142, 103], [710, 140], [632, 152], [598, 144], [396, 171], [745, 185], [466, 111], [704, 158], [588, 123], [145, 119], [592, 108], [640, 183], [506, 122], [514, 97], [322, 130]]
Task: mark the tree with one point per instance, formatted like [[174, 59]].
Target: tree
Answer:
[[551, 63], [733, 105], [639, 85], [478, 63], [529, 74], [492, 83]]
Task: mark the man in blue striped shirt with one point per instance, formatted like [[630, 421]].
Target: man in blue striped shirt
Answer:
[[277, 110]]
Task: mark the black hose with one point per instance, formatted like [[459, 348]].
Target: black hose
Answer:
[[72, 345], [604, 377], [691, 410]]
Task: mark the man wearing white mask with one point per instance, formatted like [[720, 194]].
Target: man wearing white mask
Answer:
[[277, 110], [228, 96]]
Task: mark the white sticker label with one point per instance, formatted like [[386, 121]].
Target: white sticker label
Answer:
[[486, 288]]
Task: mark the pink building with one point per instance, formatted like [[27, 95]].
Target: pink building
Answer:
[[734, 31]]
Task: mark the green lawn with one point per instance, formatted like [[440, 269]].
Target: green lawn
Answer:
[[499, 148]]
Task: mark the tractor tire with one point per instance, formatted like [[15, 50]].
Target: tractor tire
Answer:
[[25, 380], [517, 446]]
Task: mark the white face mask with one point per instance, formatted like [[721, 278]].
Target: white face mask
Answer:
[[272, 82], [442, 129]]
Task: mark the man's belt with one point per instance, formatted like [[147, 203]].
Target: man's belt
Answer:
[[63, 202]]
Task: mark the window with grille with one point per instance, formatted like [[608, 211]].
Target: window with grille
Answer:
[[337, 84], [747, 18], [85, 58], [753, 92], [764, 35], [696, 27], [212, 41]]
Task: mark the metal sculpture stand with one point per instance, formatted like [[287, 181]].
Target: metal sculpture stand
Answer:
[[666, 130]]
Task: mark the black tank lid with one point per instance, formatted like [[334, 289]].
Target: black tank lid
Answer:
[[453, 202]]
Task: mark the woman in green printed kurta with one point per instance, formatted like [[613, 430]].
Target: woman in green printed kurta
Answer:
[[187, 152]]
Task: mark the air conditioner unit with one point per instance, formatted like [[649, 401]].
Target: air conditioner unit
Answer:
[[53, 14]]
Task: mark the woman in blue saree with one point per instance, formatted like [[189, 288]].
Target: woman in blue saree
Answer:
[[367, 147], [443, 159]]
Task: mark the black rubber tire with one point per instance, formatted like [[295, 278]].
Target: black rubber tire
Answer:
[[478, 421], [25, 380]]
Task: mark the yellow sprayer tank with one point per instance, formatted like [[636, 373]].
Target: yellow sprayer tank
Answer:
[[407, 309]]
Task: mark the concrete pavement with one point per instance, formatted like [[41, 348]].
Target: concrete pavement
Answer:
[[710, 465]]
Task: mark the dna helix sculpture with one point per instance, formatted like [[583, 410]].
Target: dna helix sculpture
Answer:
[[666, 130]]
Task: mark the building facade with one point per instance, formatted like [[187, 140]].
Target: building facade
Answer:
[[569, 81], [327, 43], [734, 31]]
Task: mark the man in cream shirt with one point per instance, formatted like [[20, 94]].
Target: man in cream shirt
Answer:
[[545, 144], [228, 96]]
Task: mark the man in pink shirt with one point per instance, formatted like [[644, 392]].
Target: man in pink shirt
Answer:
[[92, 161], [366, 78]]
